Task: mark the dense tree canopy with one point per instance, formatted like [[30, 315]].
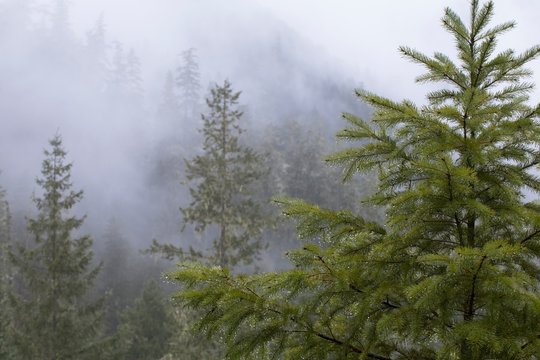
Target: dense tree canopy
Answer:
[[147, 325], [453, 272]]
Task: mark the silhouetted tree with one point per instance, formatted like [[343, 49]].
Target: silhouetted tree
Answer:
[[169, 110], [133, 73], [96, 47], [116, 277], [117, 79], [188, 83]]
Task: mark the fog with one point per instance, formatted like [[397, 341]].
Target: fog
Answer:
[[299, 59], [106, 75], [358, 37], [60, 73]]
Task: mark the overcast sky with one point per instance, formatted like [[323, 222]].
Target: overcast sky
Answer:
[[362, 35], [366, 34]]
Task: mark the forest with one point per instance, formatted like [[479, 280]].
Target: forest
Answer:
[[189, 213]]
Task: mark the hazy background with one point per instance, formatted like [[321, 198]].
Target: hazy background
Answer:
[[292, 59], [358, 37], [101, 73]]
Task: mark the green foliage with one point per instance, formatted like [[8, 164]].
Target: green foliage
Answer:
[[295, 154], [223, 196], [7, 350], [453, 273], [185, 343], [53, 318], [117, 276], [147, 325]]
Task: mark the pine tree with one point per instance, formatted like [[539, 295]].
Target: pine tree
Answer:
[[133, 72], [147, 325], [117, 76], [54, 318], [6, 318], [453, 273], [188, 83], [169, 111], [187, 344], [117, 274], [96, 47], [225, 175]]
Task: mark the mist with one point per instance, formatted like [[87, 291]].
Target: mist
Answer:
[[104, 75], [53, 80]]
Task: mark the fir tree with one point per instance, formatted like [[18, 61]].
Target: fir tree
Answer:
[[187, 344], [96, 47], [169, 109], [6, 318], [54, 319], [225, 176], [133, 72], [117, 75], [188, 83], [453, 272], [116, 276], [147, 325]]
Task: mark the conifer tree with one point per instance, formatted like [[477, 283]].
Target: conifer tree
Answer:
[[147, 325], [188, 83], [54, 318], [187, 344], [453, 273], [225, 175], [133, 72], [117, 275], [117, 76], [169, 107], [96, 47], [6, 318]]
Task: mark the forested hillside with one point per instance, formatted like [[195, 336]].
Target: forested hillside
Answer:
[[80, 276], [202, 203]]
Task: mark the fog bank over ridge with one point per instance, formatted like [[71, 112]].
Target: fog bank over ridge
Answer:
[[59, 77]]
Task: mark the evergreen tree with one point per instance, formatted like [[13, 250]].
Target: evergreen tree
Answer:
[[188, 83], [96, 46], [147, 325], [133, 72], [6, 319], [118, 77], [187, 344], [116, 276], [169, 111], [453, 273], [295, 154], [225, 176], [54, 319]]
